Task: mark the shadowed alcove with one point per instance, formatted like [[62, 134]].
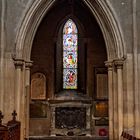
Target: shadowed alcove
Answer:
[[90, 97]]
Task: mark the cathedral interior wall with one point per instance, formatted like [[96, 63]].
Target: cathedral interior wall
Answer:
[[13, 14]]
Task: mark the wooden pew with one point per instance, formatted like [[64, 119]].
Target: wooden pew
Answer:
[[11, 130], [127, 136]]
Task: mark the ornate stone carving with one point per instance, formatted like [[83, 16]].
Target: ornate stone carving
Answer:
[[70, 117]]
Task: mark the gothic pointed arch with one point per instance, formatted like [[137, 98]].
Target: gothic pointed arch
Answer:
[[103, 13], [101, 10]]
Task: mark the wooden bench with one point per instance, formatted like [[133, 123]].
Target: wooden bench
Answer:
[[127, 136], [11, 130]]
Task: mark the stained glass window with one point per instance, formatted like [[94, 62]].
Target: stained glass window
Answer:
[[70, 55]]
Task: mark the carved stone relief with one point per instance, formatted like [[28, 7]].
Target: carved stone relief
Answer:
[[70, 117]]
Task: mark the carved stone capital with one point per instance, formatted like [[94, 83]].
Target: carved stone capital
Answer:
[[28, 64], [109, 65], [18, 63], [119, 63]]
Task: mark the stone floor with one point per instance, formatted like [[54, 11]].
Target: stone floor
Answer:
[[67, 138]]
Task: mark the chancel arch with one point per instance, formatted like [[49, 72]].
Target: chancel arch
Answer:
[[114, 47]]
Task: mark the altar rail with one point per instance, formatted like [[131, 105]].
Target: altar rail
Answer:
[[11, 130], [127, 136]]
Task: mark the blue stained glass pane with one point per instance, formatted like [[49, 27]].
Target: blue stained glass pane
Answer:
[[69, 40], [70, 55], [70, 78], [70, 48]]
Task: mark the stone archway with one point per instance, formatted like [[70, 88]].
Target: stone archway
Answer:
[[100, 9], [115, 52]]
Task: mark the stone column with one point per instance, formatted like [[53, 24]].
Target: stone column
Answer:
[[52, 131], [109, 64], [136, 69], [119, 67], [28, 65], [88, 122], [2, 50], [18, 85]]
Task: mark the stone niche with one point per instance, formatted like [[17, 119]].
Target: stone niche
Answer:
[[70, 117]]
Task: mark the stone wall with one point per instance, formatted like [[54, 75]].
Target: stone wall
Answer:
[[12, 15]]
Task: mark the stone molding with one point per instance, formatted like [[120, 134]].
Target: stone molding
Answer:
[[119, 63], [109, 65], [18, 63], [101, 10], [28, 64], [27, 29]]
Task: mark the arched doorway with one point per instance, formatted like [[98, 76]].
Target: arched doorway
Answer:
[[113, 40]]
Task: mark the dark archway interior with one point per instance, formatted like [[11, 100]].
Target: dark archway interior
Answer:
[[45, 54]]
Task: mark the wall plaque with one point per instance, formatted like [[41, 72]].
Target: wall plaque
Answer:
[[102, 86], [101, 109], [38, 110], [101, 83], [38, 86], [102, 122]]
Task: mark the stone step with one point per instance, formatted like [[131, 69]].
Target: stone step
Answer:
[[68, 138]]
